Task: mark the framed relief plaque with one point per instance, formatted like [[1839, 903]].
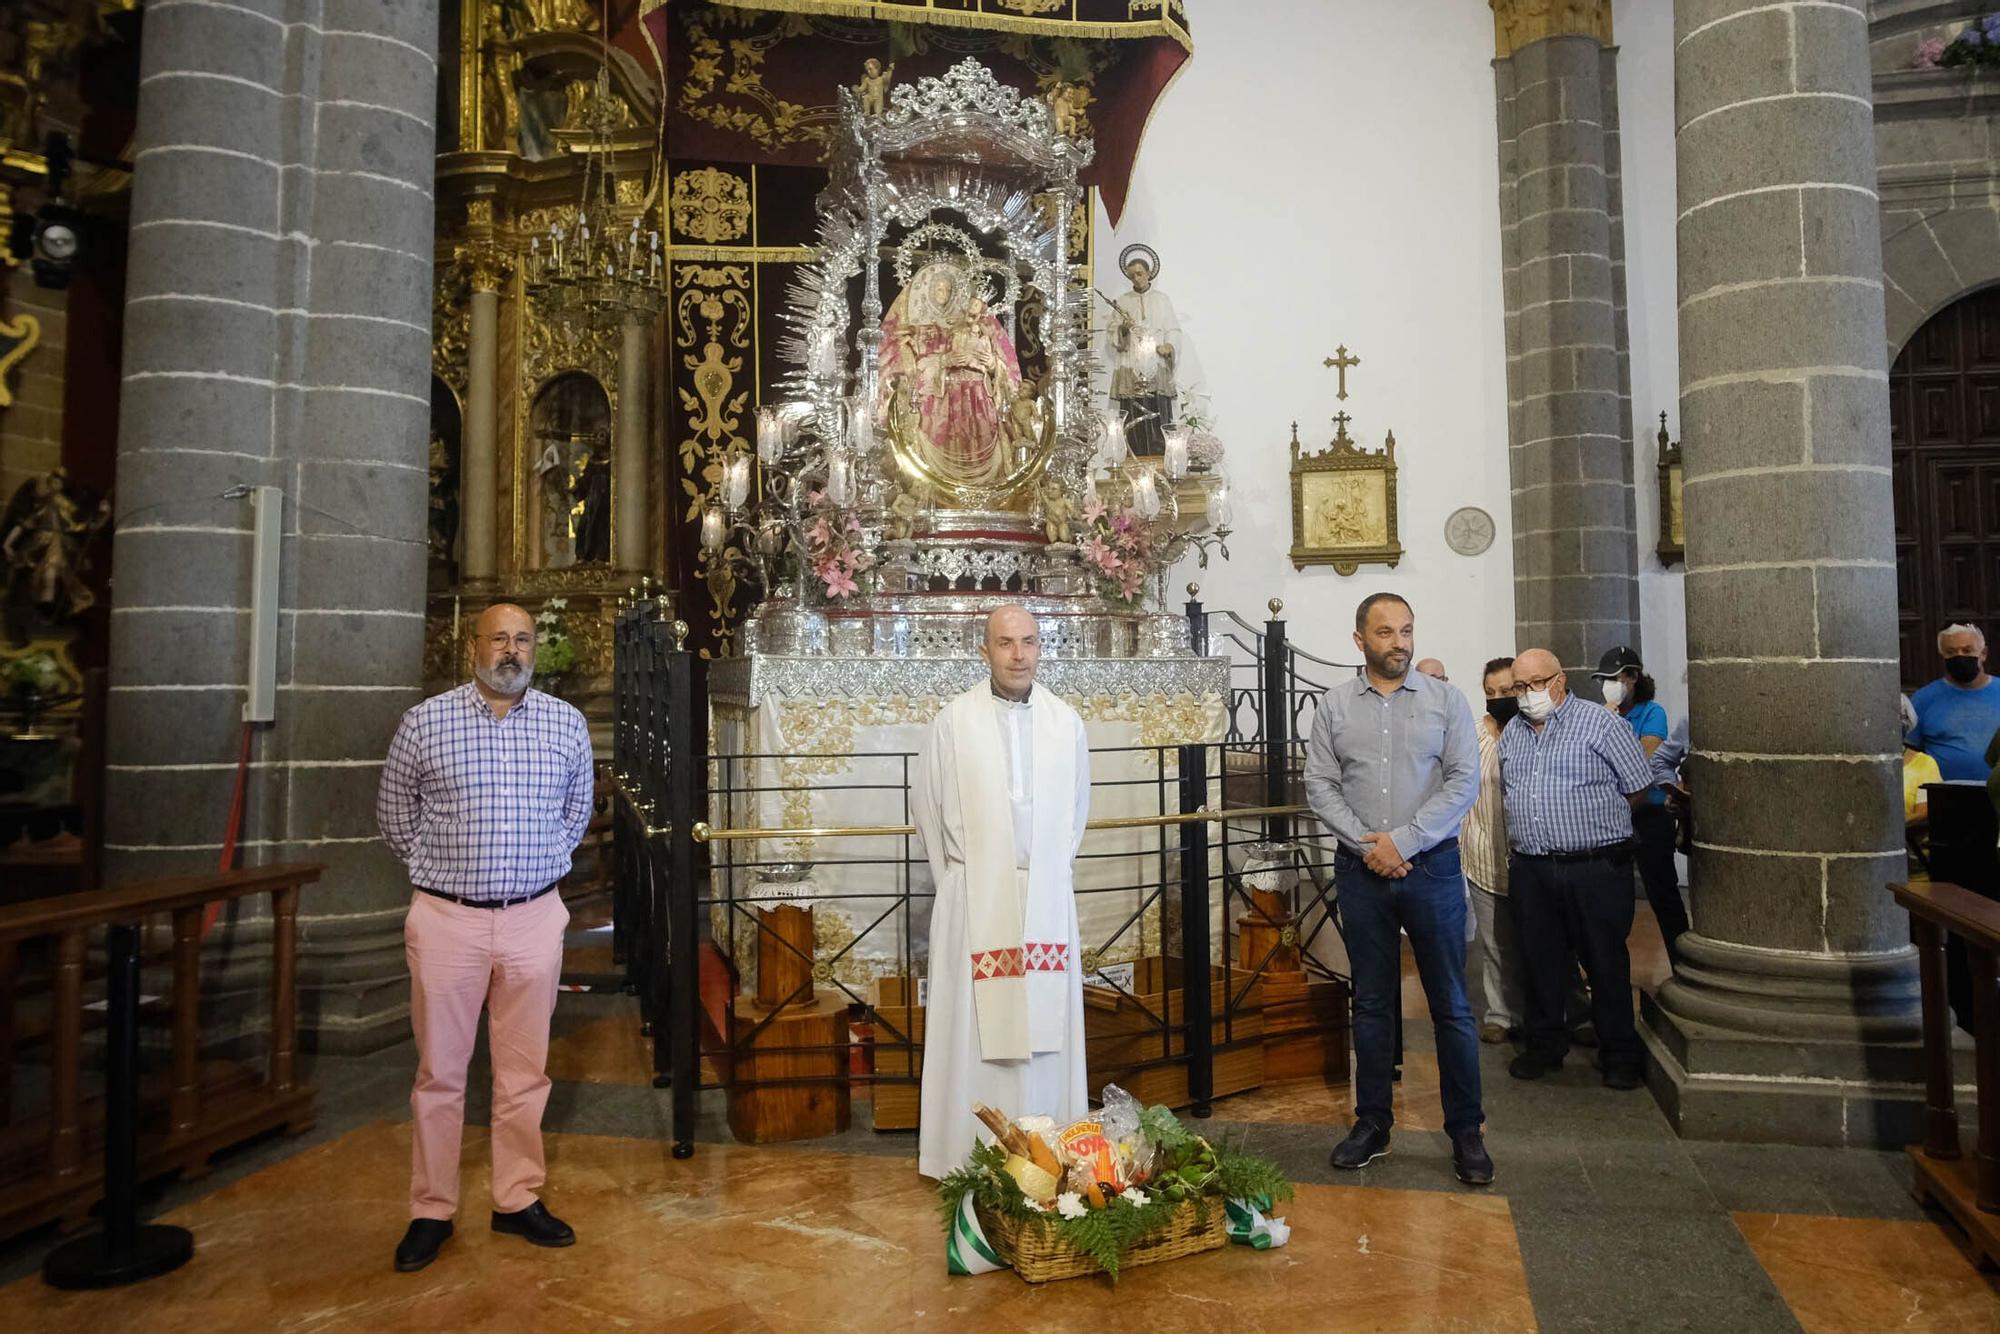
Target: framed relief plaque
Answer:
[[1344, 503]]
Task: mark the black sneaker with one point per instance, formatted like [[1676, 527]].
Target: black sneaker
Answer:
[[1530, 1066], [536, 1224], [420, 1244], [1364, 1144], [1469, 1160]]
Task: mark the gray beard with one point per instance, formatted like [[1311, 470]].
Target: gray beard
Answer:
[[492, 679]]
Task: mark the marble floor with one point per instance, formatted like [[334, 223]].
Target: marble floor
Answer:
[[1600, 1219]]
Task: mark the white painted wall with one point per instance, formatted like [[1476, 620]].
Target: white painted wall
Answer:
[[1341, 186], [1645, 32], [1324, 174]]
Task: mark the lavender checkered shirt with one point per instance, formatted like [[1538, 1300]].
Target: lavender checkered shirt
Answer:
[[1565, 785], [486, 807]]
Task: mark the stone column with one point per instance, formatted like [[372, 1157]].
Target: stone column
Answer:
[[277, 333], [628, 451], [1576, 585], [479, 467], [1791, 1018]]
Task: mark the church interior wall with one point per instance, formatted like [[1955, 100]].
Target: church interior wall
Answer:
[[1254, 184], [1645, 33], [31, 427]]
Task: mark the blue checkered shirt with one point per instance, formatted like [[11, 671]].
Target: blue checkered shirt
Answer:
[[486, 807], [1566, 784]]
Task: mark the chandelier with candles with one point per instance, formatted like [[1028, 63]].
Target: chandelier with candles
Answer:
[[594, 264]]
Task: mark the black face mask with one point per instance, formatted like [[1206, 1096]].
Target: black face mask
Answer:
[[1963, 668], [1502, 710]]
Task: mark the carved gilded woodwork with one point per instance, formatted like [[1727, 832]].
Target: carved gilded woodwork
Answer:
[[1518, 23], [451, 328], [18, 338]]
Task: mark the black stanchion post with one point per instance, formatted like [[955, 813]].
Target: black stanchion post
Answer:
[[683, 888], [124, 1252], [1197, 622], [1277, 724], [1195, 976], [621, 764]]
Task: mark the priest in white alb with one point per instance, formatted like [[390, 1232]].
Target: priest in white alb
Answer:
[[999, 798]]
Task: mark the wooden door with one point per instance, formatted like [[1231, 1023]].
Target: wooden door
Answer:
[[1944, 411]]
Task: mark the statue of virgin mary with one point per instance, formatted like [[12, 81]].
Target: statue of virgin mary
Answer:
[[948, 374]]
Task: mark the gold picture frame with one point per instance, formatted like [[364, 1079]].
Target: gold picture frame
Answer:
[[1344, 503], [1672, 547]]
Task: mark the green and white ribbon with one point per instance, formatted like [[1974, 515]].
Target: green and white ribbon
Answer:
[[966, 1250], [1249, 1227]]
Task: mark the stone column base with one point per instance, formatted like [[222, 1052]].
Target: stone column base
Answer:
[[1760, 1046]]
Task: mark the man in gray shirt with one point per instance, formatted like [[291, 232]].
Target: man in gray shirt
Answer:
[[1392, 768]]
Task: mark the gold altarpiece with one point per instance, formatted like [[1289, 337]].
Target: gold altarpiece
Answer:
[[750, 89]]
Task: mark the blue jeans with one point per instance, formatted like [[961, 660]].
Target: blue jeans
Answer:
[[1429, 905]]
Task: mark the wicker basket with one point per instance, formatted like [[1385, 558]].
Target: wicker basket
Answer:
[[1038, 1254]]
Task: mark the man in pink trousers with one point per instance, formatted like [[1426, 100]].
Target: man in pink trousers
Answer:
[[485, 793]]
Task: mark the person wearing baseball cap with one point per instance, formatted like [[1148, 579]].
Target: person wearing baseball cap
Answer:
[[1629, 692]]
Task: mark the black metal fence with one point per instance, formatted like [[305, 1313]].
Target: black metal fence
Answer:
[[692, 869]]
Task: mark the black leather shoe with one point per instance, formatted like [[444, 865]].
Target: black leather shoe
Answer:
[[1530, 1066], [1616, 1078], [536, 1224], [1469, 1159], [1364, 1144], [420, 1244]]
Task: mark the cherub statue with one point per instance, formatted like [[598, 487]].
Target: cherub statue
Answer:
[[874, 86], [1023, 424], [1066, 102], [1058, 512], [909, 502]]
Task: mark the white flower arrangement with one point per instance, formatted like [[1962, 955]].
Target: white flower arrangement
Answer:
[[1134, 1196], [1070, 1205]]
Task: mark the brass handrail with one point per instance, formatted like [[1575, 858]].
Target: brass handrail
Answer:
[[641, 808], [703, 833]]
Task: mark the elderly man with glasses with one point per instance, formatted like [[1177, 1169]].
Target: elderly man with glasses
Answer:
[[1571, 774]]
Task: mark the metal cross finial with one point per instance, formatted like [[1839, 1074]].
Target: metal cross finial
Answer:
[[1340, 420], [1341, 362]]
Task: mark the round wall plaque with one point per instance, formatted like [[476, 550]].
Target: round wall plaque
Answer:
[[1469, 531]]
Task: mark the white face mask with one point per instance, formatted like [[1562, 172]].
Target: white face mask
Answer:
[[1537, 705], [1614, 694]]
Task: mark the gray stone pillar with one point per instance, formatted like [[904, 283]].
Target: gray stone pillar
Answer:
[[1576, 585], [1791, 1018], [628, 452], [479, 500], [277, 333]]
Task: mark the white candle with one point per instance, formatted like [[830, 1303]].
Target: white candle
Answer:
[[1146, 494], [1219, 510], [839, 479], [736, 480], [1176, 461], [713, 530], [770, 435], [1114, 449]]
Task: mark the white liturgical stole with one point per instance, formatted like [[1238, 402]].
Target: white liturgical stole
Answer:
[[1017, 855]]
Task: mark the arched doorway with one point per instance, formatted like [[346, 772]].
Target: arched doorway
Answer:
[[1944, 430]]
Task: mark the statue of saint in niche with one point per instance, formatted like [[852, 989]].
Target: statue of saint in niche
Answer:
[[1144, 351], [949, 374]]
